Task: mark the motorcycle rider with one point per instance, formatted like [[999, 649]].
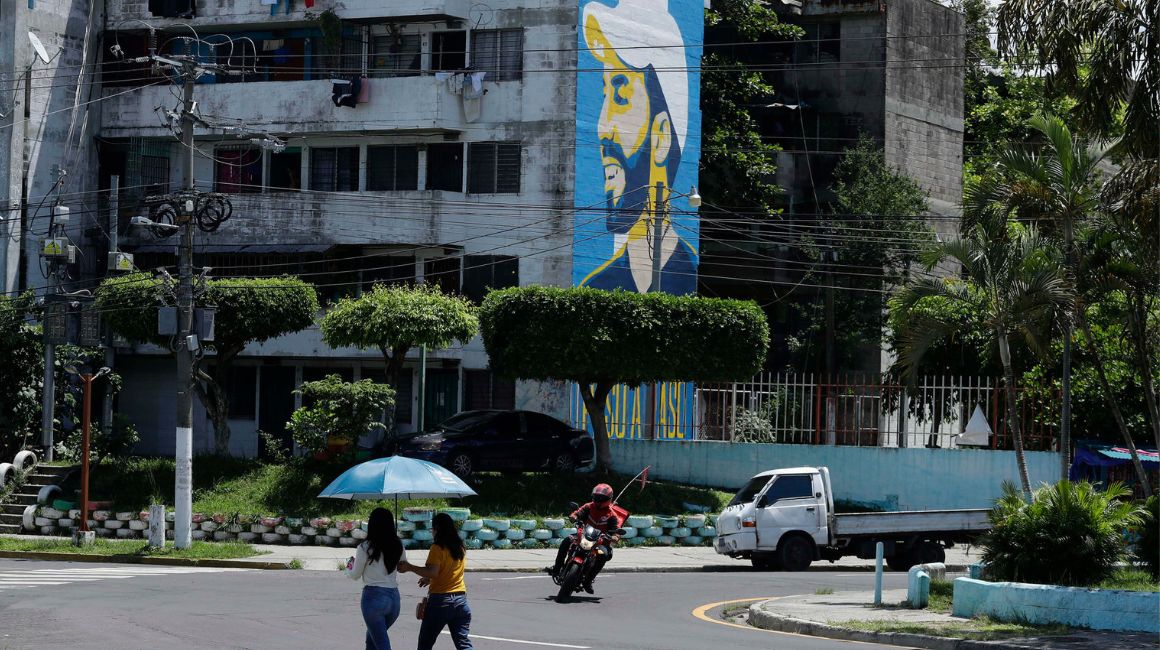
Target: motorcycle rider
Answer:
[[599, 514]]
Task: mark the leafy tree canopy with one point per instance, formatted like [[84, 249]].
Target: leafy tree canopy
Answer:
[[397, 318], [21, 374]]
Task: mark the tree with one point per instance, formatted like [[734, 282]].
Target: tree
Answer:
[[870, 197], [599, 339], [249, 310], [395, 319], [21, 374], [1010, 282], [338, 409]]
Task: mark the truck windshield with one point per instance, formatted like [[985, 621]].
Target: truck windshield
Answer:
[[750, 490]]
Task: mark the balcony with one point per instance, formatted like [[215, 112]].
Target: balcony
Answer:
[[397, 105], [250, 12]]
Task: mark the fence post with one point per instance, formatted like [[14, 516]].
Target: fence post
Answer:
[[732, 416], [818, 414], [903, 416]]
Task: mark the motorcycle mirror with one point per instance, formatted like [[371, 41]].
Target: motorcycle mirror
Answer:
[[573, 506]]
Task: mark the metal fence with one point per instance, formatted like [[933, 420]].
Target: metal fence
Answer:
[[862, 410]]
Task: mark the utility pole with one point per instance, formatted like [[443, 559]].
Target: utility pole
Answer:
[[114, 248], [183, 498], [658, 232]]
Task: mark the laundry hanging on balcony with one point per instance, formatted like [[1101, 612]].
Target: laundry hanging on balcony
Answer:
[[468, 84], [345, 92]]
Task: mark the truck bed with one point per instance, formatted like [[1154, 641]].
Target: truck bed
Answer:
[[917, 521]]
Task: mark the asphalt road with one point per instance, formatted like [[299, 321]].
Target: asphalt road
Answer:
[[67, 605]]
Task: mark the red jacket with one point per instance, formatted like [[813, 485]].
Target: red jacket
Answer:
[[606, 519]]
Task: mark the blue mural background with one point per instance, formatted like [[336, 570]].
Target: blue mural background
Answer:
[[638, 64]]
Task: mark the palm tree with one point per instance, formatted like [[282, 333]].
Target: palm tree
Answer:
[[1012, 284], [1057, 187]]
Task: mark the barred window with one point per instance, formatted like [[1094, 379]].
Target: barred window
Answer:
[[395, 55], [154, 174], [499, 52], [334, 169], [445, 166], [238, 169], [484, 390], [393, 168], [493, 168]]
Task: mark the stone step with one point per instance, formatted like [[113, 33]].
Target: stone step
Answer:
[[43, 479], [12, 509], [54, 470], [23, 499], [9, 529], [12, 518]]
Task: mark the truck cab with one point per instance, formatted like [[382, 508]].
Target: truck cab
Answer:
[[780, 518]]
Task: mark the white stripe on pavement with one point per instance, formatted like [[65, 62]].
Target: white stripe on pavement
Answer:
[[12, 579], [517, 578], [543, 643]]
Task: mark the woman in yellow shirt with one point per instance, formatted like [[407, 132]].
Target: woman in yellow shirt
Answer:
[[447, 593]]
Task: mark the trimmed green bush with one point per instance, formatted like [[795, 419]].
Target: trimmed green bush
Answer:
[[1068, 534]]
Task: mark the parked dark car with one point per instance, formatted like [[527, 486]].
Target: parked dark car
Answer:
[[474, 441]]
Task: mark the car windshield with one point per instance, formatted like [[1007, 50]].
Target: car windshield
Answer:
[[750, 490], [465, 421]]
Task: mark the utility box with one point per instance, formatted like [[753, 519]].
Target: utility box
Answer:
[[56, 319], [122, 262], [167, 321], [54, 248], [203, 322]]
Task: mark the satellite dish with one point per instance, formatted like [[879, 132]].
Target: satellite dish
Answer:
[[38, 46]]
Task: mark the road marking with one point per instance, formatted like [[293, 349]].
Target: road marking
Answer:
[[543, 643], [10, 580], [702, 613], [516, 578]]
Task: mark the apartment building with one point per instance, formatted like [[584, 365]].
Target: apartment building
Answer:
[[471, 145]]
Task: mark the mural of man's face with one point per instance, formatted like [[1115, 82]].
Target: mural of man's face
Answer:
[[626, 125]]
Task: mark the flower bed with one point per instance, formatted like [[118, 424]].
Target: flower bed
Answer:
[[414, 529]]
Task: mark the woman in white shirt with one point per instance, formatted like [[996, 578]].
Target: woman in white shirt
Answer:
[[376, 562]]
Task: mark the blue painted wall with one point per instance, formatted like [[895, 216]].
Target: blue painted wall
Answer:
[[638, 145], [895, 479], [1097, 609]]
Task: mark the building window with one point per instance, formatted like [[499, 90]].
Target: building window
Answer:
[[391, 269], [445, 166], [442, 272], [482, 389], [449, 50], [393, 168], [482, 273], [499, 52], [286, 169], [334, 169], [240, 384], [154, 174], [493, 168], [395, 55], [237, 169]]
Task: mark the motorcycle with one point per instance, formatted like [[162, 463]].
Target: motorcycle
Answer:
[[580, 562]]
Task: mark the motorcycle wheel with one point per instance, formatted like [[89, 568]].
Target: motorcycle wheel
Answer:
[[568, 583]]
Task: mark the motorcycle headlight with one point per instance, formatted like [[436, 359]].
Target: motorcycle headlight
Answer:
[[586, 543]]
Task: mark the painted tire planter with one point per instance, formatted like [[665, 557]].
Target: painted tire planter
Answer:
[[124, 516], [554, 524], [502, 543], [530, 543], [51, 513], [50, 492], [418, 514], [138, 525], [486, 535], [497, 524], [457, 514], [635, 541], [629, 532], [472, 544], [333, 532], [707, 531], [422, 536], [694, 521], [298, 540], [405, 526], [471, 525], [197, 535], [524, 524], [639, 521], [681, 532], [692, 540], [247, 537], [515, 534], [410, 543], [24, 460], [652, 531], [114, 524], [665, 522], [566, 532], [294, 522], [462, 534], [223, 536], [542, 534], [666, 540], [347, 541], [357, 533], [711, 520], [309, 531], [260, 529], [7, 473]]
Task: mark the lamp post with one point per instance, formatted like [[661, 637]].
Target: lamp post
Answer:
[[87, 376]]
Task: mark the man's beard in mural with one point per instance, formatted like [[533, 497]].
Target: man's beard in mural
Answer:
[[625, 210]]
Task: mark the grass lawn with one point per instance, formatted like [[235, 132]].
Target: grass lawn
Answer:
[[940, 595], [978, 629], [1130, 580], [108, 547], [229, 485]]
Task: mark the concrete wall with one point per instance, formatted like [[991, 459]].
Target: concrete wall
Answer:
[[895, 479], [1096, 609]]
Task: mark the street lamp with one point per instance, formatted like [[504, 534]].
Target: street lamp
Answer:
[[87, 376]]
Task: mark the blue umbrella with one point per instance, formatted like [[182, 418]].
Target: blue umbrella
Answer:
[[398, 477]]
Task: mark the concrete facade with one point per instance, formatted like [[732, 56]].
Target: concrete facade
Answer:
[[893, 479]]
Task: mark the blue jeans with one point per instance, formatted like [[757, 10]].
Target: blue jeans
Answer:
[[380, 610], [449, 610]]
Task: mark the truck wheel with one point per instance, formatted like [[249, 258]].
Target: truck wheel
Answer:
[[931, 552], [901, 561], [795, 553]]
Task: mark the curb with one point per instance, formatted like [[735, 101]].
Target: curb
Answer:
[[134, 559], [758, 617]]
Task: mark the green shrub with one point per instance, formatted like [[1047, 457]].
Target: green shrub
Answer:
[[338, 410], [1069, 534], [1148, 544]]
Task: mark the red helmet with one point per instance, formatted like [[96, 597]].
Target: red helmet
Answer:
[[602, 494]]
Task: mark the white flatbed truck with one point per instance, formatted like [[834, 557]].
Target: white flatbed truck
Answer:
[[784, 518]]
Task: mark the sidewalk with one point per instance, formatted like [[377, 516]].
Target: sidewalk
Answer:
[[824, 615]]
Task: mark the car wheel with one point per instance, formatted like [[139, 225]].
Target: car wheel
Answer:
[[796, 553], [462, 465], [564, 463]]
